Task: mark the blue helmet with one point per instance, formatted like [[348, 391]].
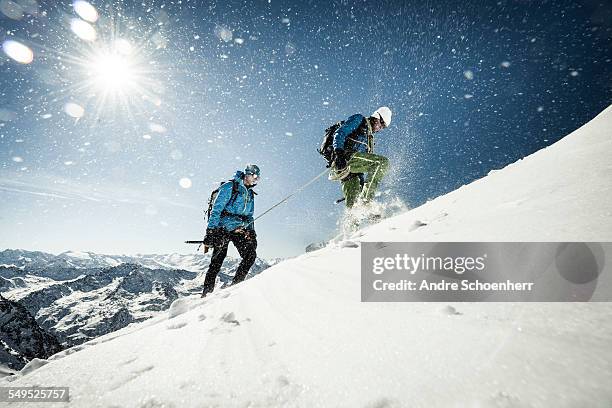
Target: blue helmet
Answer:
[[251, 169]]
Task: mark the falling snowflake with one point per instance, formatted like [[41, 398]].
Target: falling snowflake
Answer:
[[223, 33]]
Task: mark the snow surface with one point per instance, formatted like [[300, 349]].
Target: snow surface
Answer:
[[298, 335]]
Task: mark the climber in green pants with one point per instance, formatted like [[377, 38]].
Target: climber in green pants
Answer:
[[355, 165]]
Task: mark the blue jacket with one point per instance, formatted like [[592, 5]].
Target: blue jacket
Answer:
[[355, 130], [238, 213]]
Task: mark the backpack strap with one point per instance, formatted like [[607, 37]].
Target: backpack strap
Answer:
[[235, 191], [370, 136]]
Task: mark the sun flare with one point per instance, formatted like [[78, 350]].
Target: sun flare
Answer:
[[113, 73]]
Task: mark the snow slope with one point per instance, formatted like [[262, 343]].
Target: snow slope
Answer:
[[298, 335]]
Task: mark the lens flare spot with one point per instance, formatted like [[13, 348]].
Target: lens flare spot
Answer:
[[185, 182], [11, 9], [83, 30], [74, 110], [85, 10], [18, 51]]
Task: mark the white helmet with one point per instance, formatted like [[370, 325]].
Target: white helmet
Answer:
[[383, 113]]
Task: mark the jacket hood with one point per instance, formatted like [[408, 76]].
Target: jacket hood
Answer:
[[239, 175]]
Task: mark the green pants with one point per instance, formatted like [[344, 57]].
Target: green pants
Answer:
[[374, 166]]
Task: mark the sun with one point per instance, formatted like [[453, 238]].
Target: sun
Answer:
[[113, 73], [117, 75], [114, 67]]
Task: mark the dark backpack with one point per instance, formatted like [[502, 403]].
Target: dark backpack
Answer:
[[327, 149], [215, 192]]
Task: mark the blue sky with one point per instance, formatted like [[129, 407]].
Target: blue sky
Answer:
[[214, 85]]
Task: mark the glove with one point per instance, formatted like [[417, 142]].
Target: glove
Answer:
[[339, 159], [213, 236]]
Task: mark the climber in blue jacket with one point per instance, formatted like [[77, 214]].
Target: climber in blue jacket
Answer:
[[231, 220]]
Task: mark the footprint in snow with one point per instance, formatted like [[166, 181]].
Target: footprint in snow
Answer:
[[230, 318], [503, 399], [349, 244], [282, 381], [129, 377], [175, 326], [178, 307], [451, 311], [383, 403], [143, 370], [417, 224], [129, 361]]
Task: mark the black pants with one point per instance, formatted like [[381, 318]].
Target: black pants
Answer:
[[246, 246]]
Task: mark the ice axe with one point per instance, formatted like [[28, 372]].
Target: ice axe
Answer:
[[206, 247]]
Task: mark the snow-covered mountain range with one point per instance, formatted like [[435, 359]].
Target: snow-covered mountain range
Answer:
[[48, 263], [298, 335], [74, 297]]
